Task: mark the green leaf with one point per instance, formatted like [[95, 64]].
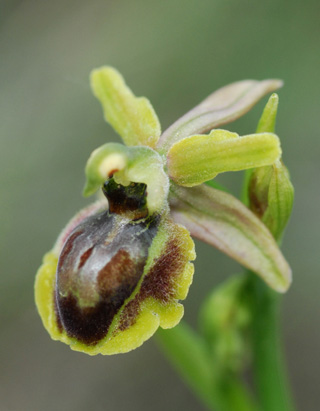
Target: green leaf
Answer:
[[221, 107], [200, 158], [223, 221], [132, 117]]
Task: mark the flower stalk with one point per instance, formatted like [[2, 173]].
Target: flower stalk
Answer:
[[270, 373]]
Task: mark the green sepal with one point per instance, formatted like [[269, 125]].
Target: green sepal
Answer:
[[200, 158], [221, 107], [221, 220], [224, 320], [267, 121], [133, 118], [126, 165]]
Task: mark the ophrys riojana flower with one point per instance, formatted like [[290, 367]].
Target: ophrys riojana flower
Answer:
[[120, 267]]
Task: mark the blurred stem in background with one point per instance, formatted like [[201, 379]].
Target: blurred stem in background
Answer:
[[220, 391], [270, 374], [241, 318], [188, 353]]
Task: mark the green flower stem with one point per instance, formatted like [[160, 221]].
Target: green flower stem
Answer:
[[188, 353], [270, 373], [233, 395]]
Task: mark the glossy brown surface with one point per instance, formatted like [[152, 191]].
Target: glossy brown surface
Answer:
[[99, 268]]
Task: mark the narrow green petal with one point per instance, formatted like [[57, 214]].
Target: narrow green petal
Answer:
[[267, 121], [200, 158], [266, 124], [221, 107], [223, 221], [132, 117]]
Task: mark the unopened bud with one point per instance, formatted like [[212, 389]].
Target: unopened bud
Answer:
[[271, 196], [270, 190]]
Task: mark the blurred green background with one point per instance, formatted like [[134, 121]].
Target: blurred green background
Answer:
[[175, 53]]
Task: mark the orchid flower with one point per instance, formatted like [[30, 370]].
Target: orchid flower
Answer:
[[122, 265]]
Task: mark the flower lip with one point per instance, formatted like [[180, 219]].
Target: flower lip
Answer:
[[99, 267]]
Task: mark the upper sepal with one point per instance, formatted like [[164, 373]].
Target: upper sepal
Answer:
[[133, 118]]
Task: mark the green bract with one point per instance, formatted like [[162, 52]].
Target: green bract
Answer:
[[120, 267], [270, 190]]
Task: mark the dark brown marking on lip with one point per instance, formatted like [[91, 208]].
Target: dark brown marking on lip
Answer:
[[85, 257], [67, 248], [121, 270], [129, 314], [116, 281], [88, 325], [158, 283]]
